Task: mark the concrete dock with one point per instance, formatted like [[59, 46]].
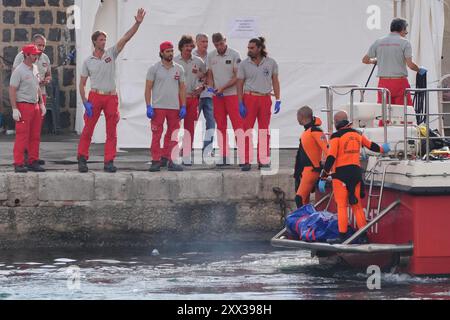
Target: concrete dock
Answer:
[[133, 207]]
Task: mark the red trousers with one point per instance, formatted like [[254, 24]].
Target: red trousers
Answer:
[[397, 88], [44, 99], [258, 108], [28, 133], [109, 104], [223, 107], [341, 198], [171, 137], [189, 125]]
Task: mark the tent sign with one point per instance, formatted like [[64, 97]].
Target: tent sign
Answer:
[[244, 28]]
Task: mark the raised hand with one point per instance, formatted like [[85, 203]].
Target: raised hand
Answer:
[[140, 15]]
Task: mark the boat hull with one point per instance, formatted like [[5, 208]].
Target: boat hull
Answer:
[[421, 219]]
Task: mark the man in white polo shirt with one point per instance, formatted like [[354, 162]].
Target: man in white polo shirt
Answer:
[[222, 65], [392, 54], [44, 67], [43, 63], [257, 75], [194, 70], [165, 90], [28, 109], [101, 69], [206, 99]]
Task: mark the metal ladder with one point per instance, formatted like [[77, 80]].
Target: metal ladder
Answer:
[[373, 223], [372, 173]]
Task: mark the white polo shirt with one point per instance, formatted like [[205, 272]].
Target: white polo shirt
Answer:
[[192, 69], [258, 78], [222, 67], [391, 52], [166, 85], [43, 64], [205, 93], [102, 71], [26, 79]]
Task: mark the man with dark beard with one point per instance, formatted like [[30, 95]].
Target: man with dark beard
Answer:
[[257, 75], [164, 90]]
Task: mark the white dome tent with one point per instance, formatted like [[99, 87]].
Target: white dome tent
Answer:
[[314, 41]]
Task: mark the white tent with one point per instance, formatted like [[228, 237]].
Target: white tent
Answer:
[[315, 42]]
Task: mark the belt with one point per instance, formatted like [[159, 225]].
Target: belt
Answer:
[[392, 77], [105, 93], [253, 93], [33, 103]]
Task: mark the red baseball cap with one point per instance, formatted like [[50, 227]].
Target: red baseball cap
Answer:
[[31, 49], [165, 45]]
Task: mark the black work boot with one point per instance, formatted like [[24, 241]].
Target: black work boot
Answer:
[[174, 167], [36, 167], [82, 164], [109, 167], [263, 166], [340, 239], [246, 167], [20, 169], [41, 162], [156, 166], [164, 162]]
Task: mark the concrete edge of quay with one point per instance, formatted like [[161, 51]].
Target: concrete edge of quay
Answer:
[[70, 209]]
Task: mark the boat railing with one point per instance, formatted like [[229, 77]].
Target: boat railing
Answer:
[[329, 110], [427, 116], [385, 101]]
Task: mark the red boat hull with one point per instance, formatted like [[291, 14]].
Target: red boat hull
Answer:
[[423, 220]]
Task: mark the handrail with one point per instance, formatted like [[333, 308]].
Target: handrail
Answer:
[[371, 223], [427, 121], [329, 102], [384, 94]]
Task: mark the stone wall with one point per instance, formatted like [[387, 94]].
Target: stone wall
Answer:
[[20, 20], [69, 209]]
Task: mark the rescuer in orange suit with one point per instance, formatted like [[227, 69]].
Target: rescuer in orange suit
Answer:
[[312, 149], [344, 161]]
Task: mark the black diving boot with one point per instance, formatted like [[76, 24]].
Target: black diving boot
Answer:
[[340, 239], [363, 239]]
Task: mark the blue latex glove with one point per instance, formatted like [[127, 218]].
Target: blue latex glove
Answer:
[[150, 111], [88, 107], [277, 106], [422, 71], [242, 109], [386, 147], [182, 114], [322, 185], [212, 90]]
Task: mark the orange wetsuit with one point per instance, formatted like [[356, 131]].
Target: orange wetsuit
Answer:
[[344, 161], [313, 147]]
